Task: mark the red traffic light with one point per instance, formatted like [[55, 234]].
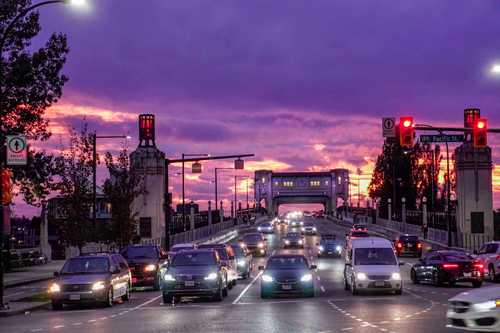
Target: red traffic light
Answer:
[[406, 132], [480, 133]]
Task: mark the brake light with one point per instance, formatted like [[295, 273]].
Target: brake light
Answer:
[[419, 245], [399, 245], [479, 266], [450, 266], [498, 257]]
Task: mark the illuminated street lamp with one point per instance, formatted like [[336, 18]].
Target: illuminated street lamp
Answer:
[[495, 69]]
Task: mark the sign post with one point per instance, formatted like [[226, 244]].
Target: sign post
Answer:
[[17, 150], [389, 127]]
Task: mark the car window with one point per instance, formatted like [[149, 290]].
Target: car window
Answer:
[[374, 256], [408, 238], [120, 261], [194, 259], [86, 265], [297, 262], [456, 257], [238, 251], [482, 250], [433, 258], [140, 252], [491, 248]]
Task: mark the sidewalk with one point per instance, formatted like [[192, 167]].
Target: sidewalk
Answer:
[[31, 274]]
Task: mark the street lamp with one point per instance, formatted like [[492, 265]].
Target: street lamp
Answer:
[[94, 169], [183, 193]]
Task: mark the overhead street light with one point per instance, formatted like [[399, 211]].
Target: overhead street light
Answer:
[[495, 69]]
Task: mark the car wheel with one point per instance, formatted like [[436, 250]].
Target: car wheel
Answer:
[[309, 294], [126, 297], [234, 282], [57, 305], [156, 286], [167, 299], [477, 284], [413, 277], [230, 285], [109, 298], [224, 292], [346, 285], [492, 274], [436, 280]]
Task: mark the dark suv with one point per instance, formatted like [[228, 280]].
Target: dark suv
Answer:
[[145, 262], [195, 273], [408, 245], [95, 278]]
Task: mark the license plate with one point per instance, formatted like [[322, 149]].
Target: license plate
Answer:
[[286, 287], [379, 283], [74, 297], [467, 275], [189, 283]]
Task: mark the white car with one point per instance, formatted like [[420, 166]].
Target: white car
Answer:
[[371, 265], [489, 255], [476, 310]]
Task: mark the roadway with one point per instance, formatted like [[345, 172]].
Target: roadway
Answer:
[[421, 308]]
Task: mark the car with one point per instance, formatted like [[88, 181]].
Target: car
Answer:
[[408, 245], [475, 310], [255, 243], [181, 247], [319, 215], [265, 228], [329, 246], [93, 278], [447, 266], [359, 227], [296, 223], [293, 239], [243, 260], [286, 274], [198, 273], [227, 258], [145, 262], [307, 213], [489, 255], [372, 265], [309, 228]]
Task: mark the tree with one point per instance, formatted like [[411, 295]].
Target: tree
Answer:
[[74, 169], [121, 189], [30, 82]]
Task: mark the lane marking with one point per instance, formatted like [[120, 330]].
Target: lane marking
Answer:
[[247, 287]]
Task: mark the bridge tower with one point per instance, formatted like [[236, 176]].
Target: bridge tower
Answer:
[[473, 189], [149, 162], [264, 189], [340, 186]]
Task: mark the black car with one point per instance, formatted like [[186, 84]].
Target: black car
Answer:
[[94, 278], [287, 274], [243, 260], [255, 243], [440, 267], [195, 273], [329, 246], [145, 262], [227, 258], [294, 240], [408, 245]]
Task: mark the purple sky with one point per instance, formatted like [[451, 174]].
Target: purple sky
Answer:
[[302, 84]]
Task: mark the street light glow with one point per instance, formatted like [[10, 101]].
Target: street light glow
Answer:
[[77, 3], [495, 69]]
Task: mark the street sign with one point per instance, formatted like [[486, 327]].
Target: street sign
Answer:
[[17, 150], [442, 138], [389, 127]]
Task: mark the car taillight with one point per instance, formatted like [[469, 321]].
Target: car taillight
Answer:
[[419, 245], [399, 245], [450, 266], [498, 257], [478, 266]]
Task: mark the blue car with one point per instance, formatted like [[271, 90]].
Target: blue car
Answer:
[[329, 246]]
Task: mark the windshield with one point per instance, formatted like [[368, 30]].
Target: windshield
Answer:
[[140, 252], [298, 262], [408, 238], [220, 251], [265, 225], [238, 251], [194, 259], [254, 238], [85, 265], [181, 248], [374, 256]]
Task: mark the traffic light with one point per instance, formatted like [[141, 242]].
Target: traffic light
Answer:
[[481, 133], [6, 179], [406, 132]]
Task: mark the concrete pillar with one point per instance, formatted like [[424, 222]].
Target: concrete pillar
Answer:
[[209, 211], [389, 209], [44, 232]]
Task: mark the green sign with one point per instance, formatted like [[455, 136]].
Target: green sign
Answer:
[[442, 138]]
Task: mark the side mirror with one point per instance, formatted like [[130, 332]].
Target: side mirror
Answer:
[[313, 267], [56, 274], [261, 268]]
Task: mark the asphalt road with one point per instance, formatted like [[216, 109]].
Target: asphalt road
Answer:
[[421, 308]]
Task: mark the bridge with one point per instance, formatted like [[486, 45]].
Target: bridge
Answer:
[[273, 189]]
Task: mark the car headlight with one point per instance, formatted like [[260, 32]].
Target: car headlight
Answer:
[[149, 268], [300, 242], [303, 229], [396, 276], [242, 262], [306, 278], [99, 285], [260, 245], [321, 248], [54, 288], [301, 223], [267, 278], [361, 276], [243, 245], [168, 277], [338, 248], [259, 228], [211, 276], [287, 242], [487, 306]]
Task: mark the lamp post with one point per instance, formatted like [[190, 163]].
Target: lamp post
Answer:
[[94, 170], [183, 193], [216, 185]]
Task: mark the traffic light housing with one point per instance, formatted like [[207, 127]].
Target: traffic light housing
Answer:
[[6, 179], [480, 133], [406, 132]]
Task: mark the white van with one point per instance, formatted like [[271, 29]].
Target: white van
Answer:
[[371, 264]]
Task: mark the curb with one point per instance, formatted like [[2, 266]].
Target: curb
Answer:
[[9, 313]]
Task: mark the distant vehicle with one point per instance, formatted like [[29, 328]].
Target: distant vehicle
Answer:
[[357, 234], [408, 245], [195, 273], [359, 227], [309, 228], [255, 243], [475, 310], [266, 228], [145, 262], [227, 258], [181, 247], [296, 223], [293, 239], [440, 267], [319, 215], [287, 274], [489, 255], [371, 265], [100, 278], [307, 214], [243, 260], [329, 246]]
